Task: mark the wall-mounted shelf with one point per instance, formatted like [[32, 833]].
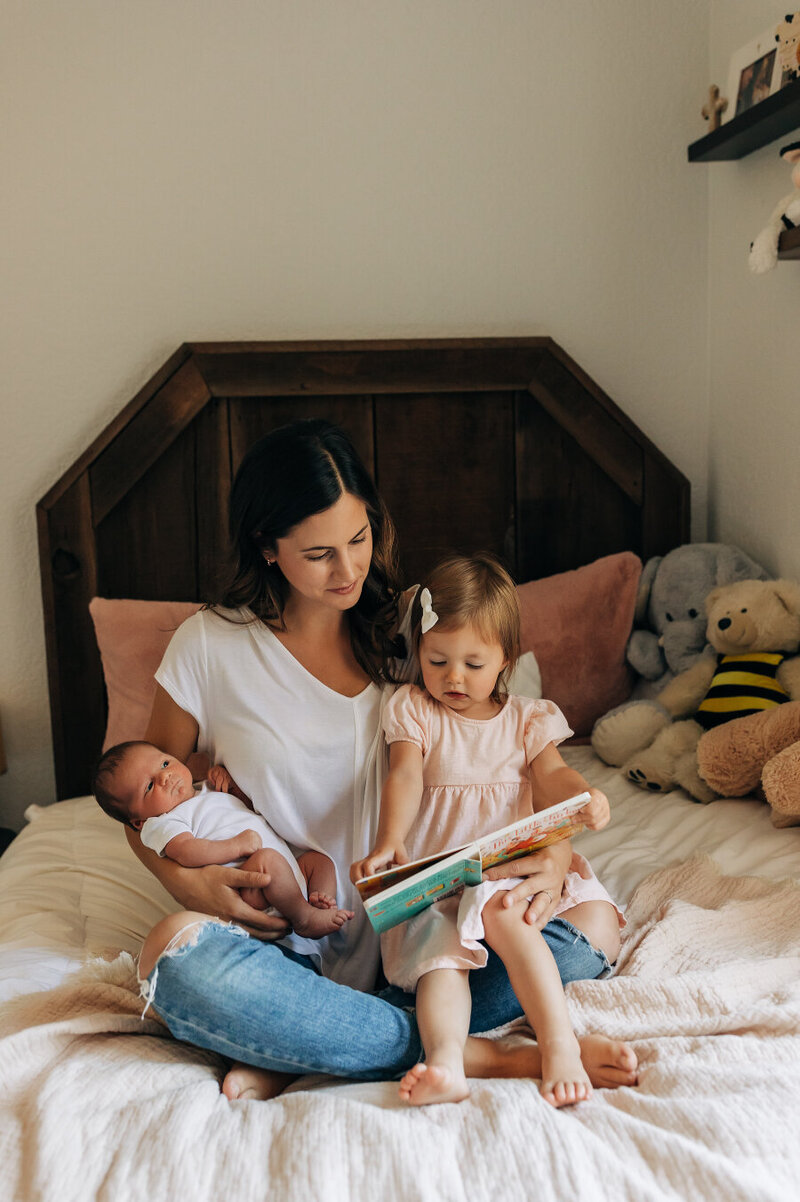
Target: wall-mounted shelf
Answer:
[[789, 244], [772, 118]]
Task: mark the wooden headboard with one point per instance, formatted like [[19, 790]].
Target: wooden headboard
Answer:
[[498, 444]]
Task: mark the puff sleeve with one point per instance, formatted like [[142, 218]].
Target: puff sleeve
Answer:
[[544, 723], [406, 718]]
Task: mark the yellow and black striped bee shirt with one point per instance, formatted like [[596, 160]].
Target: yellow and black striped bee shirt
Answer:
[[742, 684]]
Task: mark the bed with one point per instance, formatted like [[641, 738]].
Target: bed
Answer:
[[546, 471]]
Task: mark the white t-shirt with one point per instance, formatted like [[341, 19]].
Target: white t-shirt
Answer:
[[311, 760]]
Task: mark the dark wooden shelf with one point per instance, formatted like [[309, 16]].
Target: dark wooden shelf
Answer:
[[772, 118], [789, 244]]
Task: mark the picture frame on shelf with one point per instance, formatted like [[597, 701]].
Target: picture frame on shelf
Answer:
[[753, 74]]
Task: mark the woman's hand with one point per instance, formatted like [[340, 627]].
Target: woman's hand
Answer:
[[380, 857], [212, 890], [544, 873], [215, 889]]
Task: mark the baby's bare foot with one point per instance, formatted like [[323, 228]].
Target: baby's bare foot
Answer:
[[608, 1062], [427, 1083], [315, 923], [564, 1079], [322, 901], [244, 1083]]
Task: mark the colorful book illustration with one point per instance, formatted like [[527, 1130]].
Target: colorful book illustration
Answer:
[[398, 893]]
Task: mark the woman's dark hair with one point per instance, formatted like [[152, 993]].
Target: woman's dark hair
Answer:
[[287, 476]]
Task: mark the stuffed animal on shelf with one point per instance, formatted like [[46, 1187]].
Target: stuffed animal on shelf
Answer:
[[787, 35], [754, 628], [669, 636], [785, 216], [757, 754]]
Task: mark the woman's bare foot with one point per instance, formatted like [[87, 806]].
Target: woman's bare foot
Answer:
[[427, 1083], [314, 923], [564, 1079], [608, 1062], [244, 1083]]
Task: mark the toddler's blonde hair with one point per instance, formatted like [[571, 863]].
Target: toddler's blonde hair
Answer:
[[474, 590]]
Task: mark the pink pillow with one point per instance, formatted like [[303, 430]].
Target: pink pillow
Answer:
[[132, 637], [577, 624]]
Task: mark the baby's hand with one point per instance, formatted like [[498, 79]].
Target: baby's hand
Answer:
[[248, 843], [220, 780], [597, 812], [380, 857]]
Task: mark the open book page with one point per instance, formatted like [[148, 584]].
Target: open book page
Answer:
[[399, 892]]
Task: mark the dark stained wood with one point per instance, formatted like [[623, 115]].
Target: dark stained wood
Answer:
[[771, 118], [251, 419], [594, 429], [77, 695], [666, 509], [292, 369], [212, 491], [503, 444], [569, 511], [445, 468], [147, 544], [139, 444], [114, 427]]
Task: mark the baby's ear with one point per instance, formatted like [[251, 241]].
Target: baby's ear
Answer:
[[136, 823]]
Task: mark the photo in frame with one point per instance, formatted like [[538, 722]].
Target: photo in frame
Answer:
[[753, 74]]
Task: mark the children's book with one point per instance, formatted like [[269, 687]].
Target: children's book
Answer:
[[401, 891]]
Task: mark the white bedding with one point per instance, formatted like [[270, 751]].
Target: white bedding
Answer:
[[708, 990], [69, 884]]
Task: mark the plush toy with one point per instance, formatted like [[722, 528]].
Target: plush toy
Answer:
[[785, 216], [787, 35], [670, 636], [754, 628], [757, 754]]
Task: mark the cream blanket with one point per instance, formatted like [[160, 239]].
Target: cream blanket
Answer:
[[96, 1104]]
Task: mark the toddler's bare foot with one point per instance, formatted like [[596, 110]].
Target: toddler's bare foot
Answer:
[[244, 1083], [564, 1079], [608, 1062], [427, 1083], [315, 923], [322, 901]]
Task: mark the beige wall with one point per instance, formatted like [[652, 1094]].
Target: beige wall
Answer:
[[754, 328], [333, 168]]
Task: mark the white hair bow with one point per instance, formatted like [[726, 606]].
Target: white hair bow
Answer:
[[429, 617]]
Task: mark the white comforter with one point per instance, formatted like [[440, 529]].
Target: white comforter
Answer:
[[94, 1103]]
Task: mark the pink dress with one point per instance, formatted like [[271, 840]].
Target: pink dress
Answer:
[[475, 780]]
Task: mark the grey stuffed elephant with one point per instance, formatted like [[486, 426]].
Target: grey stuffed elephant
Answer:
[[669, 637]]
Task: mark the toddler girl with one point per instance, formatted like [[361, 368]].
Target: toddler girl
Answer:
[[464, 760], [195, 825]]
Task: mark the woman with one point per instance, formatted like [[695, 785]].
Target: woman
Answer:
[[284, 684]]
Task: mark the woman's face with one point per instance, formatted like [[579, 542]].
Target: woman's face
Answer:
[[327, 557]]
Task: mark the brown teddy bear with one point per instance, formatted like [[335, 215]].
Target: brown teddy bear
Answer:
[[754, 627], [759, 754]]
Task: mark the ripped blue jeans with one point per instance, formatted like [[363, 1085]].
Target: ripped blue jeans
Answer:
[[268, 1006]]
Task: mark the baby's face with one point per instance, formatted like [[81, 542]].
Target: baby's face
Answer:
[[149, 782]]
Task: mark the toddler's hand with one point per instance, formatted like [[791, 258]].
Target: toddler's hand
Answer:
[[220, 780], [597, 812], [380, 857]]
